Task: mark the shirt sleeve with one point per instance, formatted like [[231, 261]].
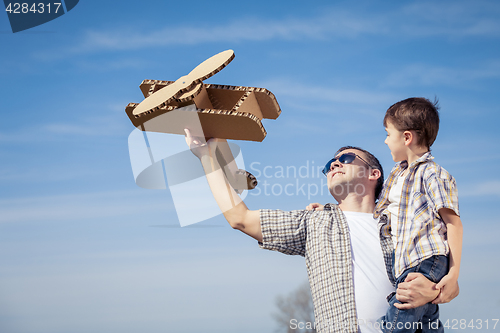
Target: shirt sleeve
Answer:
[[442, 192], [283, 231]]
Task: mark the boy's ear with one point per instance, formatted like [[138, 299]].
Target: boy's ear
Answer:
[[408, 136]]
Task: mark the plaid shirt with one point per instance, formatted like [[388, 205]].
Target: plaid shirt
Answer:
[[421, 232], [322, 237]]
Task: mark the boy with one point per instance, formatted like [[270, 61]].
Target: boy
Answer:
[[419, 213]]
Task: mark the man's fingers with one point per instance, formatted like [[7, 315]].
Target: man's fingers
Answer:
[[412, 276], [440, 284], [439, 300], [312, 206], [403, 306], [402, 298], [443, 297], [403, 286], [190, 139], [315, 206]]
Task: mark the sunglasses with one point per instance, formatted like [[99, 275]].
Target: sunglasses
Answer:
[[346, 158]]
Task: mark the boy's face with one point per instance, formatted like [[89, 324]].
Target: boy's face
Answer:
[[396, 141]]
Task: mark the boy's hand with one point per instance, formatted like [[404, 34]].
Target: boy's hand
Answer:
[[449, 289], [315, 206]]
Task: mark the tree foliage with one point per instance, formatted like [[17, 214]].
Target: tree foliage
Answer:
[[296, 311]]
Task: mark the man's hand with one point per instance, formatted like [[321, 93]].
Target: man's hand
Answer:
[[415, 291], [198, 145], [315, 206], [449, 289]]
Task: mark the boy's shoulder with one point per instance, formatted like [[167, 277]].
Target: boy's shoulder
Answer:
[[430, 169]]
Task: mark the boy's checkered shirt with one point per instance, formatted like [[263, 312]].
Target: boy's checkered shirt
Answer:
[[421, 233]]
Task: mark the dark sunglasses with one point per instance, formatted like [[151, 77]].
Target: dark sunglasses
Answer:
[[346, 158]]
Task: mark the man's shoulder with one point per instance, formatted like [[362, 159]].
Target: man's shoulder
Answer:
[[331, 214], [333, 209], [278, 215]]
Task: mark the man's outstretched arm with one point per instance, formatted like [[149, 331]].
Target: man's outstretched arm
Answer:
[[234, 209]]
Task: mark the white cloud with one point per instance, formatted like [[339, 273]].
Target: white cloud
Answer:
[[450, 18], [89, 127], [314, 94], [83, 206], [96, 126], [427, 75], [243, 29], [425, 19], [487, 189]]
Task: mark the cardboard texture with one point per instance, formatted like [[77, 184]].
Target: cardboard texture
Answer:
[[209, 110], [224, 111]]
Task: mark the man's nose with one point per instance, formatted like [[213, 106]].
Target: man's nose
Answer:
[[335, 164]]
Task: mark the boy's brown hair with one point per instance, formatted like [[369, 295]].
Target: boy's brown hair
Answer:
[[415, 114]]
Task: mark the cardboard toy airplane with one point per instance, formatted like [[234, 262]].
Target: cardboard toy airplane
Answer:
[[224, 111]]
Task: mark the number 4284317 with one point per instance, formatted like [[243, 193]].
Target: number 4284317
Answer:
[[35, 8], [478, 324]]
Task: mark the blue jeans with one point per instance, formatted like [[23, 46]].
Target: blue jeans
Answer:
[[424, 318]]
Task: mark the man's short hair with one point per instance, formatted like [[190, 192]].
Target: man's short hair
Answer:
[[415, 114], [374, 163]]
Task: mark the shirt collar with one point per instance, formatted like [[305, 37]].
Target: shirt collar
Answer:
[[424, 158]]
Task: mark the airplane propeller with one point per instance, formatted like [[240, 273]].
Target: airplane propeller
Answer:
[[188, 86]]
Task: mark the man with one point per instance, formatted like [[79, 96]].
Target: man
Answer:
[[340, 243]]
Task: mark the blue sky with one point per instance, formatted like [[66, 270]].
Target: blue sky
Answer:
[[83, 248]]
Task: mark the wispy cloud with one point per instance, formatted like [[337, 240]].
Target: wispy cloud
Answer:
[[98, 128], [104, 126], [73, 207], [486, 189], [454, 20], [316, 93], [428, 75], [35, 174], [243, 29], [449, 18]]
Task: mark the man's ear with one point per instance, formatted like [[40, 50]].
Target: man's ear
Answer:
[[375, 174]]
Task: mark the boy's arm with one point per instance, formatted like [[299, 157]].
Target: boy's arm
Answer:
[[234, 209], [449, 283]]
